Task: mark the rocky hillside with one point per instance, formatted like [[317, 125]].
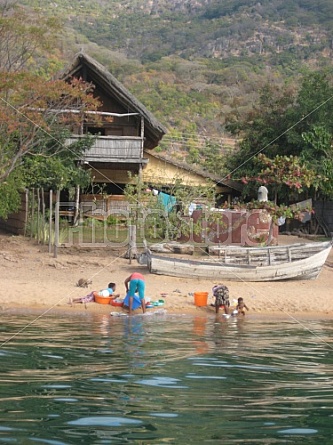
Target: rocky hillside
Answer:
[[192, 62], [273, 30]]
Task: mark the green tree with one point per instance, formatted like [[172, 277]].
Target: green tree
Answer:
[[32, 116], [281, 126], [286, 174], [9, 192], [318, 154], [282, 173], [56, 172], [33, 125]]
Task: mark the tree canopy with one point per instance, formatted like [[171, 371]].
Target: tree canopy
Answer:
[[291, 123], [33, 124]]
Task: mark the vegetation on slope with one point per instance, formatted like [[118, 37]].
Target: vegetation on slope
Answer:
[[198, 64]]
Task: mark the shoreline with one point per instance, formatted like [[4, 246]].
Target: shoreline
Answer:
[[202, 313], [33, 280]]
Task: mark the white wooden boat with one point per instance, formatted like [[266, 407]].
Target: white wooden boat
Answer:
[[234, 263]]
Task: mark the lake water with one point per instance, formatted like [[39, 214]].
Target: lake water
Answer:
[[163, 379]]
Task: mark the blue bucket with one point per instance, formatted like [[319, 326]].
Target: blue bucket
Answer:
[[136, 302]]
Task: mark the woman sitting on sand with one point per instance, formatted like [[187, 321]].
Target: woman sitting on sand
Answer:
[[108, 292]]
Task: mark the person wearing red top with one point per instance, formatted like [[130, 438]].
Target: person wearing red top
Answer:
[[136, 283]]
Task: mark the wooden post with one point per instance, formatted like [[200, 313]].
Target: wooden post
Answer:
[[132, 251], [32, 212], [56, 224], [26, 215], [38, 216], [77, 203], [142, 135], [43, 215], [50, 219]]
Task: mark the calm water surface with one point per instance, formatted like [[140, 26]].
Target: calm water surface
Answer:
[[162, 379]]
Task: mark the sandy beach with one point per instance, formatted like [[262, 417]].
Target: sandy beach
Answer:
[[32, 278]]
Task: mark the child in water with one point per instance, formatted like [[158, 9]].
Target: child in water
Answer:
[[241, 306]]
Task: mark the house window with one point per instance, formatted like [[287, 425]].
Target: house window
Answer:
[[95, 130]]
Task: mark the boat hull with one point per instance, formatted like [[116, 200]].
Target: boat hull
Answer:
[[306, 268]]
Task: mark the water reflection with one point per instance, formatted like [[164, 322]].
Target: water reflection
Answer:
[[168, 379]]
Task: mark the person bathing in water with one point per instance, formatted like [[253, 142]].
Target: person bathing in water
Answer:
[[221, 294], [136, 283], [241, 306]]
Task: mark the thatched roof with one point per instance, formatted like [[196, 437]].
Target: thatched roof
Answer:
[[100, 76]]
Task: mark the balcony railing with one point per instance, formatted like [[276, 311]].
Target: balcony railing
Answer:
[[127, 149]]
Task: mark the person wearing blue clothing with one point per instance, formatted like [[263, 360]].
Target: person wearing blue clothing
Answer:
[[109, 291], [135, 283]]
